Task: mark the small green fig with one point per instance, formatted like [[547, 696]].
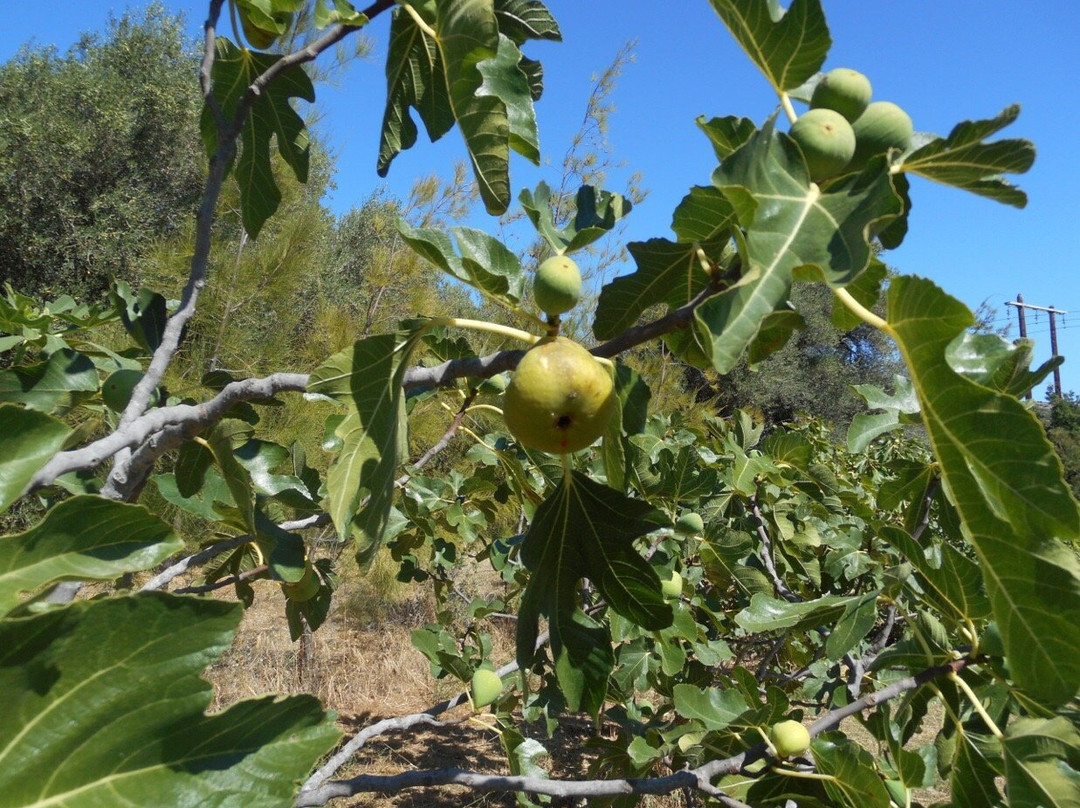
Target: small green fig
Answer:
[[881, 127], [557, 285], [486, 686], [496, 385], [304, 589], [789, 738], [671, 587], [827, 142], [690, 524], [118, 387], [842, 90]]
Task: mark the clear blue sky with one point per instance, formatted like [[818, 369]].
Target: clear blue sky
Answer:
[[943, 62]]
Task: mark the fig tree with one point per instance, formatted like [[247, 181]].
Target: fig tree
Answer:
[[671, 587], [789, 738], [690, 523], [842, 90], [557, 285], [118, 386], [826, 140], [486, 686], [881, 127], [560, 398]]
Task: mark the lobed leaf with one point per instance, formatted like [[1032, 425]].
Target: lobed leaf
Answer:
[[586, 530], [790, 223], [1007, 485], [964, 161], [271, 116], [787, 46]]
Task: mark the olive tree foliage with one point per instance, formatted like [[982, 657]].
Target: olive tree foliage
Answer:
[[85, 188], [880, 581]]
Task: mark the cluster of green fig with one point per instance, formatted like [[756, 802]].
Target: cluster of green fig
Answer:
[[844, 129], [560, 398]]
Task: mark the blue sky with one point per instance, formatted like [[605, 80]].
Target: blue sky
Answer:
[[943, 62]]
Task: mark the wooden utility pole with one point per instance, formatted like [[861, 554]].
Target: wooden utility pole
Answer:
[[1020, 306]]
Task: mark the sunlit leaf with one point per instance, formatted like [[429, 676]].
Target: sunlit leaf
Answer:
[[28, 441], [964, 160], [271, 117], [788, 46], [1042, 763], [789, 224], [49, 384], [82, 538], [1007, 485], [106, 707]]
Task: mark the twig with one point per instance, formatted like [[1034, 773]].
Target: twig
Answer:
[[162, 579], [766, 555], [247, 575]]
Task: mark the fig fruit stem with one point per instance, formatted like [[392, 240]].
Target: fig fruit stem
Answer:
[[423, 26], [863, 313], [789, 109], [489, 407], [484, 325], [977, 705], [803, 775]]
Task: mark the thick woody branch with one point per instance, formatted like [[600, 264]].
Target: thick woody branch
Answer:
[[188, 419]]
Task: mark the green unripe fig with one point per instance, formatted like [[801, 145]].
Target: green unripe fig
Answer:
[[118, 386], [690, 523], [827, 142], [789, 738], [881, 127], [842, 90], [486, 686], [557, 285], [496, 385], [304, 589], [560, 398], [671, 587]]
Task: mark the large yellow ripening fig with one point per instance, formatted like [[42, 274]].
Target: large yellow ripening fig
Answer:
[[560, 398]]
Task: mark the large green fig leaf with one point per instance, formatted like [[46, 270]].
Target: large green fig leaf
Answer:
[[459, 68], [28, 441], [995, 362], [105, 707], [788, 46], [853, 781], [82, 538], [596, 212], [485, 263], [367, 377], [789, 224], [667, 272], [271, 117], [1042, 763], [1007, 485], [963, 160], [50, 383], [586, 530]]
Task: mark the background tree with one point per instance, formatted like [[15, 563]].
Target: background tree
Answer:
[[84, 188]]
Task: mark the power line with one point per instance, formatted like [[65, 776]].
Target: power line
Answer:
[[1020, 307]]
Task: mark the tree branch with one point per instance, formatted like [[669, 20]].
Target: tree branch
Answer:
[[188, 419], [317, 792]]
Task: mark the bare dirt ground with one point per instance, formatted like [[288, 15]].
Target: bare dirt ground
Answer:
[[361, 664]]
